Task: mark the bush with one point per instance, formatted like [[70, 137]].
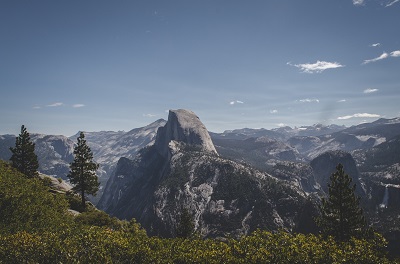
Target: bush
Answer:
[[100, 219], [26, 204]]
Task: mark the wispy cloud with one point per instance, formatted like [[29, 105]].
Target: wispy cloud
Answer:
[[395, 53], [392, 3], [308, 100], [316, 67], [342, 101], [382, 57], [274, 111], [358, 2], [362, 115], [375, 44], [281, 125], [236, 102], [55, 104], [149, 115], [37, 107], [78, 105], [370, 90]]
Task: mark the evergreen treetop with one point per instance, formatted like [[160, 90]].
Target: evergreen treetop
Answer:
[[83, 170], [185, 228], [23, 156], [340, 213]]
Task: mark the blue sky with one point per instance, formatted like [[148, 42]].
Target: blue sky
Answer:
[[67, 66]]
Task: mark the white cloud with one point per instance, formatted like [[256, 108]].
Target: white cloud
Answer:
[[392, 3], [375, 44], [281, 125], [78, 105], [236, 102], [149, 115], [362, 115], [370, 90], [56, 104], [342, 101], [317, 67], [395, 53], [274, 111], [358, 2], [308, 100], [383, 56]]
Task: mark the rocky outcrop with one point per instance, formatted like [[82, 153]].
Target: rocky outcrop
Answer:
[[324, 165], [182, 170], [183, 126], [129, 191], [298, 174]]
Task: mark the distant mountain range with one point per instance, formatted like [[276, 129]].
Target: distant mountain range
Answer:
[[56, 152], [150, 173]]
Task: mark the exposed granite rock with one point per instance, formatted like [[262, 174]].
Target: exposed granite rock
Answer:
[[325, 164], [183, 170], [183, 126]]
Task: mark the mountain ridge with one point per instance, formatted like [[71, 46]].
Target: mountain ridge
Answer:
[[183, 170]]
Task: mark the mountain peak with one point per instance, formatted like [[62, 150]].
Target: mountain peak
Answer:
[[184, 126]]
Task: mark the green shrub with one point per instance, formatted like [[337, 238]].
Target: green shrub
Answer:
[[26, 204]]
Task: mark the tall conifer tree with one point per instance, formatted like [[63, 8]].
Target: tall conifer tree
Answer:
[[83, 170], [185, 228], [340, 213], [23, 156]]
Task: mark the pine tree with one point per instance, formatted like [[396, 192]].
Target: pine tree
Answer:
[[23, 156], [340, 213], [185, 228], [83, 170]]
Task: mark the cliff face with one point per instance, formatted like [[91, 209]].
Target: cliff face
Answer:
[[183, 170], [325, 164], [183, 126], [129, 191]]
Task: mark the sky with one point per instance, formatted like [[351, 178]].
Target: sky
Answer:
[[95, 65]]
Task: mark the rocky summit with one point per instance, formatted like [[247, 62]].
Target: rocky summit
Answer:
[[183, 126], [182, 171]]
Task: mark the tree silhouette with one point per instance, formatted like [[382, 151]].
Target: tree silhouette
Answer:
[[23, 156], [185, 228], [83, 170], [340, 213]]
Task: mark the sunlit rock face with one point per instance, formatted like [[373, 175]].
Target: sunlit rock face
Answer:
[[130, 183], [183, 170], [183, 126]]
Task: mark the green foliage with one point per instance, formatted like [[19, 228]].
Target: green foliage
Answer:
[[83, 170], [101, 245], [23, 156], [281, 247], [340, 213], [26, 204], [185, 228], [75, 201], [99, 218], [46, 181]]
